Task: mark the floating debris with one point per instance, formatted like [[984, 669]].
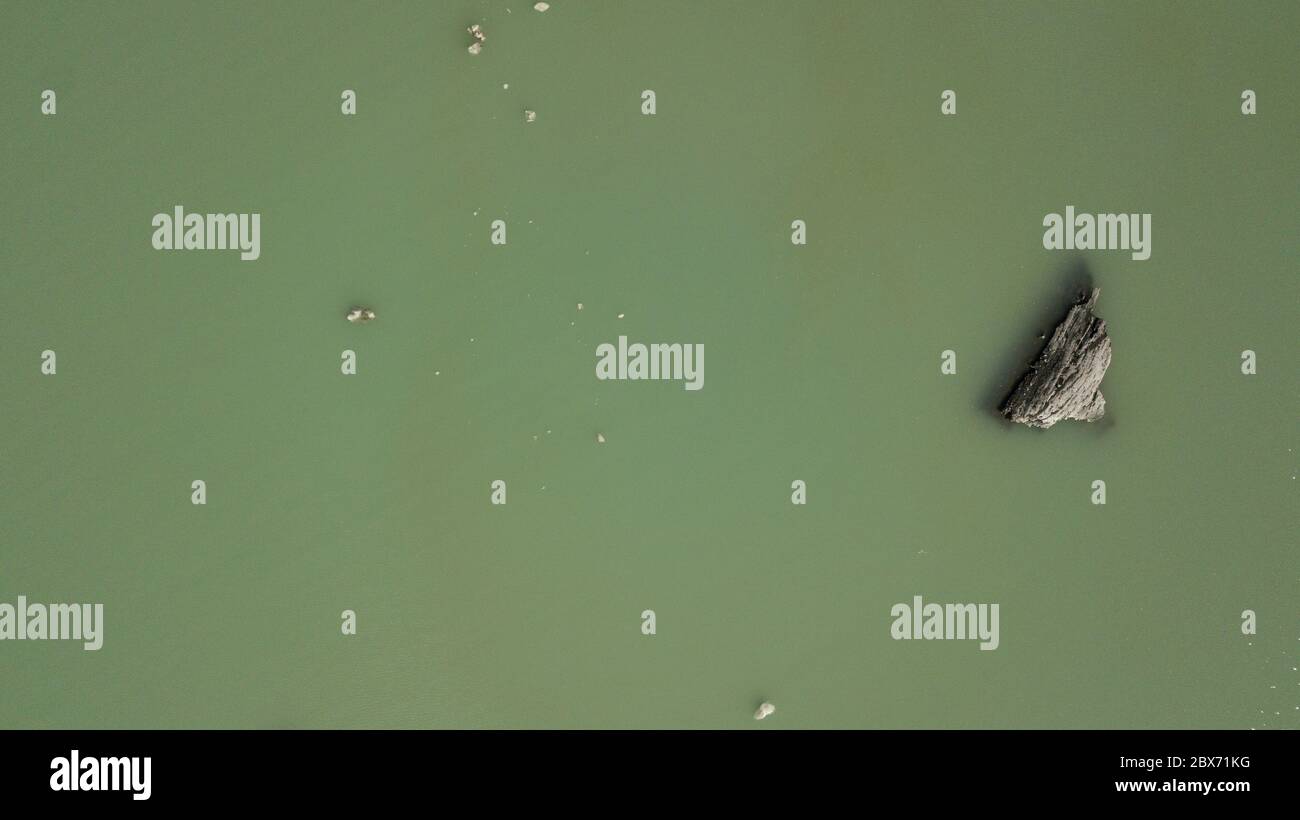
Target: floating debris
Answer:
[[479, 38], [1065, 381], [600, 438], [530, 116], [580, 306], [541, 6], [764, 710], [360, 315], [621, 315]]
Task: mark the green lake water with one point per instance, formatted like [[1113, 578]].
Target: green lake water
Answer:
[[370, 492]]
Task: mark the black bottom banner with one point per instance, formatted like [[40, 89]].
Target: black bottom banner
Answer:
[[141, 770]]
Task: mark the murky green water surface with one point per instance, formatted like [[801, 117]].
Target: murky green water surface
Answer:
[[370, 492]]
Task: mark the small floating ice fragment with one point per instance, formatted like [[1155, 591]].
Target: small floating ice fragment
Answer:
[[479, 38], [764, 710], [360, 315], [530, 116], [600, 438], [541, 6]]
